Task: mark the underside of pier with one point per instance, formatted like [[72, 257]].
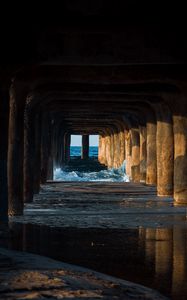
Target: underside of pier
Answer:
[[124, 84], [116, 69]]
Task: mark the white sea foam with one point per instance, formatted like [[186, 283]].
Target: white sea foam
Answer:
[[110, 175]]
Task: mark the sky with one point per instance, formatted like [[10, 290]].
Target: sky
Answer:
[[76, 140]]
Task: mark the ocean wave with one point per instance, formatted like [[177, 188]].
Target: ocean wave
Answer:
[[76, 151], [110, 175]]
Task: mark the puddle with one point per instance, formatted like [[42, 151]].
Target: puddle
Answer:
[[154, 257]]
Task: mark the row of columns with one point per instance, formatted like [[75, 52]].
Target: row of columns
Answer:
[[111, 150], [38, 143], [155, 152]]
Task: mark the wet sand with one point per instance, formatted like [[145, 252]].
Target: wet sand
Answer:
[[27, 276], [121, 229]]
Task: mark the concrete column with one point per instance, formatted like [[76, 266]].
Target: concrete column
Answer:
[[45, 147], [4, 114], [61, 155], [151, 171], [50, 168], [128, 147], [29, 139], [105, 150], [108, 151], [55, 138], [67, 143], [135, 163], [56, 146], [116, 161], [180, 153], [37, 154], [102, 150], [122, 146], [119, 150], [59, 147], [85, 146], [112, 149], [165, 151], [50, 160], [143, 153], [15, 153]]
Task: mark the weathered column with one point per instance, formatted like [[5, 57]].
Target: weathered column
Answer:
[[118, 152], [165, 151], [102, 150], [50, 168], [85, 146], [114, 148], [116, 161], [122, 146], [54, 150], [180, 151], [67, 142], [50, 162], [111, 148], [15, 152], [151, 171], [37, 154], [45, 146], [61, 145], [29, 144], [108, 150], [128, 154], [143, 153], [135, 162], [4, 115]]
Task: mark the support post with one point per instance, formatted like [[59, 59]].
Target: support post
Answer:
[[85, 146], [4, 114], [67, 143], [165, 151], [45, 146], [28, 152], [15, 152], [37, 154], [180, 152], [143, 154], [151, 171], [128, 153], [135, 163]]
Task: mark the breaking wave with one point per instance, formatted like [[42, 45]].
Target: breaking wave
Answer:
[[110, 175]]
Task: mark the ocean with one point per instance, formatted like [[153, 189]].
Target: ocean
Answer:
[[76, 151], [108, 175]]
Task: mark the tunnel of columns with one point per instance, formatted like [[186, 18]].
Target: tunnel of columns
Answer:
[[127, 84]]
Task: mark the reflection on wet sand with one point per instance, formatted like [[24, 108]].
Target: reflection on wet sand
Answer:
[[179, 262], [154, 257]]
